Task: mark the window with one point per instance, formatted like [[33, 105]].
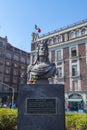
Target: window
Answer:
[[1, 44], [8, 55], [72, 35], [55, 40], [59, 72], [83, 32], [15, 65], [7, 71], [75, 85], [22, 74], [16, 58], [66, 37], [59, 55], [51, 41], [7, 63], [73, 51], [22, 60], [15, 72], [77, 33], [60, 38], [74, 70]]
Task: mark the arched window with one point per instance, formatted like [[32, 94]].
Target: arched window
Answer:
[[60, 38], [51, 41], [83, 32], [22, 60], [71, 35], [77, 33], [8, 55], [55, 40], [65, 37], [16, 58]]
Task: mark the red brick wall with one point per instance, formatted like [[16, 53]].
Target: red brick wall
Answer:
[[53, 56], [66, 68], [83, 66]]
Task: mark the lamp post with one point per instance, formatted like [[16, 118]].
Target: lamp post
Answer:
[[12, 91]]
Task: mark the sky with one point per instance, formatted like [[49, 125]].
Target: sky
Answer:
[[19, 17]]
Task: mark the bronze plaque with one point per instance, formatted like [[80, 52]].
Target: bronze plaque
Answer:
[[41, 106]]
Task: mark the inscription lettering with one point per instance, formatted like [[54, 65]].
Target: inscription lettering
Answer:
[[41, 106]]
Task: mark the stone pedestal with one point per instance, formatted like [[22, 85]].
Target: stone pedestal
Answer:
[[41, 107]]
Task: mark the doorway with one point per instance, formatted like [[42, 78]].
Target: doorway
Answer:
[[75, 106], [76, 102]]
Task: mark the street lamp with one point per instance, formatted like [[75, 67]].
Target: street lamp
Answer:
[[12, 91]]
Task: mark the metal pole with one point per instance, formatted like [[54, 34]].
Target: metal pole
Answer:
[[12, 96]]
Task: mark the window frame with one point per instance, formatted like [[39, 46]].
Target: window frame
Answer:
[[51, 41], [23, 60], [83, 31], [8, 55], [66, 37], [1, 44], [70, 51], [71, 36], [78, 33], [75, 85], [60, 38], [55, 40], [16, 58], [62, 72], [61, 55], [74, 70]]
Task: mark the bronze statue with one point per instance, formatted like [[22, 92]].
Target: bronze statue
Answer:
[[41, 68]]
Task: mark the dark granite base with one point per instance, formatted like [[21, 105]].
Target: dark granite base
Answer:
[[41, 107]]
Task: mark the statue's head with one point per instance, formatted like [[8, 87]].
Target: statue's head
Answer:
[[43, 49]]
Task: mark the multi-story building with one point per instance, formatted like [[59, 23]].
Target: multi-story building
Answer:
[[13, 66], [68, 49]]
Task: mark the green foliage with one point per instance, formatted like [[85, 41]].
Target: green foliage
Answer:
[[76, 121], [81, 123], [8, 119]]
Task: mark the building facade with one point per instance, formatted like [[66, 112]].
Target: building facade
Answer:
[[13, 66], [68, 49]]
